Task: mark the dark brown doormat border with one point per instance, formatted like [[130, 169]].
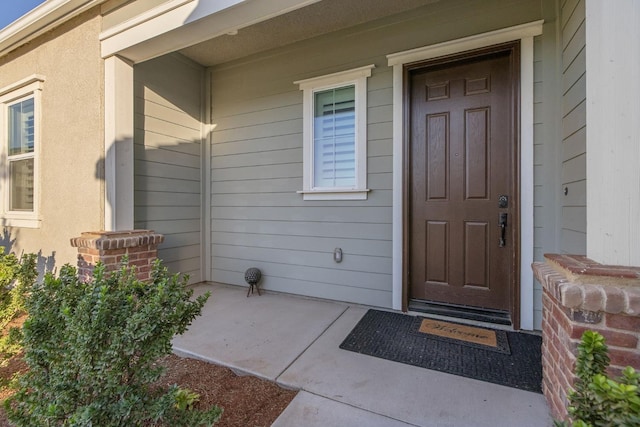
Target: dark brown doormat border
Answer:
[[393, 336]]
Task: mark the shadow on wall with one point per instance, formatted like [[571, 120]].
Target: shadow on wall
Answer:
[[45, 263], [167, 150], [167, 138], [166, 194]]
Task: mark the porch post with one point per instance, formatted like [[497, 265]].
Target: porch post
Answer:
[[118, 144], [613, 131]]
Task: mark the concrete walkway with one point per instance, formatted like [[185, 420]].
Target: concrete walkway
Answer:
[[294, 342]]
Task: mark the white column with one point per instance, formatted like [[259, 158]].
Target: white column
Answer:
[[118, 144], [613, 131]]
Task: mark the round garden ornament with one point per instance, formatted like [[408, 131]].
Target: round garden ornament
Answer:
[[252, 277]]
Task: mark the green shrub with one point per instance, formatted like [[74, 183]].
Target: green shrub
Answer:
[[16, 276], [92, 347], [598, 401]]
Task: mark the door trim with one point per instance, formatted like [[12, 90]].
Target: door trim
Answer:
[[525, 34], [512, 50]]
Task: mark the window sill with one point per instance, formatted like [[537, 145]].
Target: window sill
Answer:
[[20, 222], [334, 194]]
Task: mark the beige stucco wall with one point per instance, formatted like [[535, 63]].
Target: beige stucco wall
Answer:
[[72, 135]]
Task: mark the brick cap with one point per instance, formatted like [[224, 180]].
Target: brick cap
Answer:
[[104, 240], [605, 294], [586, 270]]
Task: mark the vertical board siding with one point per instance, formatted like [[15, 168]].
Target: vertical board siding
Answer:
[[167, 144], [257, 218], [574, 158]]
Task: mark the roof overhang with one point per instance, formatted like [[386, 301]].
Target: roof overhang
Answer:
[[177, 24], [43, 18]]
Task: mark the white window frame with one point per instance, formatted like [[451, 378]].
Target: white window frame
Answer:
[[358, 78], [30, 87]]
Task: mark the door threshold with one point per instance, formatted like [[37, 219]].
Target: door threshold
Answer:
[[499, 317]]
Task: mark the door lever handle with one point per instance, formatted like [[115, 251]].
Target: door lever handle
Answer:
[[502, 223]]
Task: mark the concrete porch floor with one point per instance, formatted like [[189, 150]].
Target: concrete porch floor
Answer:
[[294, 342]]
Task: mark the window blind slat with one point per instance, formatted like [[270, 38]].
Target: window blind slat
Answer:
[[334, 138]]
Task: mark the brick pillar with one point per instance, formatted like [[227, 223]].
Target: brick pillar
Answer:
[[110, 247], [578, 295]]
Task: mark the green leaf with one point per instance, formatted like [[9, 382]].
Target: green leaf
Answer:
[[92, 350], [598, 400]]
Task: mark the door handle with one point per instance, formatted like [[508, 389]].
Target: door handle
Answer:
[[502, 223]]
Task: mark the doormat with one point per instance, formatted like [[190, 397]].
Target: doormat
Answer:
[[394, 336], [490, 339]]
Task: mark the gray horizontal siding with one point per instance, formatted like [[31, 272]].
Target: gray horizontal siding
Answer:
[[167, 181], [378, 198], [350, 214], [304, 228], [257, 218], [363, 246], [574, 157]]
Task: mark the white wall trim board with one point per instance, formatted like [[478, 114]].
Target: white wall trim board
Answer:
[[142, 18], [181, 23], [207, 140], [476, 41], [118, 144], [43, 18], [524, 33], [34, 78], [613, 131]]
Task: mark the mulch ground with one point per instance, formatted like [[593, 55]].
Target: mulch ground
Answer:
[[247, 401]]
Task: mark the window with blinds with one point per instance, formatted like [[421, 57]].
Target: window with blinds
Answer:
[[20, 158], [334, 138], [335, 135]]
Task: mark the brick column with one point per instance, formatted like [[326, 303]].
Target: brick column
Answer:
[[578, 295], [110, 247]]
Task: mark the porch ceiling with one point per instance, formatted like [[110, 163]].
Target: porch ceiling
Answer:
[[319, 18]]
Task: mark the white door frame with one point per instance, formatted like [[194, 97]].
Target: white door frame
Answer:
[[525, 33]]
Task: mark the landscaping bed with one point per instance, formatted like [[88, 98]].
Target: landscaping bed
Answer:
[[247, 400]]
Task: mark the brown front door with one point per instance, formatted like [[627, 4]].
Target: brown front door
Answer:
[[462, 180]]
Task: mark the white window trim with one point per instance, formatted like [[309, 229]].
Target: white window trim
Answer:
[[23, 89], [358, 78]]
